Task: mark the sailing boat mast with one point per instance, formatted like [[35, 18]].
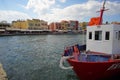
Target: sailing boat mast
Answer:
[[101, 12]]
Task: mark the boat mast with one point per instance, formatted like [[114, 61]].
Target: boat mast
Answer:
[[101, 12]]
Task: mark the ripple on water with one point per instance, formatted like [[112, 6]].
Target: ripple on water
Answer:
[[36, 57]]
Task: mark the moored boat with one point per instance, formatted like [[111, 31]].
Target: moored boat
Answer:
[[99, 58]]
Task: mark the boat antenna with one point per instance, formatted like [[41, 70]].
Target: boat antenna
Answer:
[[102, 11]]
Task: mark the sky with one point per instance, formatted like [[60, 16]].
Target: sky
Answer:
[[57, 10]]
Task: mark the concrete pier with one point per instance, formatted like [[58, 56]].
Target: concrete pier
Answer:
[[3, 75]]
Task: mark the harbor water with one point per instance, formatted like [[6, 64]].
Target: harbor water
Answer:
[[36, 57]]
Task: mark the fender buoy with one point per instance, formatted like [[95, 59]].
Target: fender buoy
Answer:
[[62, 60]]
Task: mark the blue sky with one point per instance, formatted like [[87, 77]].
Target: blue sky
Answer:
[[57, 10]]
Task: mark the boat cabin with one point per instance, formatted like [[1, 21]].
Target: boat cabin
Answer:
[[103, 38]]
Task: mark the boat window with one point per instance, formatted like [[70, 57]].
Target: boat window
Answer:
[[116, 35], [90, 35], [107, 35], [119, 36], [98, 35]]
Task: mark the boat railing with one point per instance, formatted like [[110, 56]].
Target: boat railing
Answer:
[[68, 51], [89, 56]]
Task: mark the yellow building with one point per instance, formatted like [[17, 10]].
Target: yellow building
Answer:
[[83, 25], [34, 24], [44, 25], [64, 25], [19, 24]]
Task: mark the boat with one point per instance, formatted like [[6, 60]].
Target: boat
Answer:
[[99, 57]]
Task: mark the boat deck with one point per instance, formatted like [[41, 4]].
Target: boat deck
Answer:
[[93, 58]]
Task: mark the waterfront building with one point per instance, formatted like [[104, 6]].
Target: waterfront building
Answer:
[[54, 26], [4, 25], [73, 25], [83, 25], [34, 24], [115, 23], [43, 25], [19, 24], [64, 25]]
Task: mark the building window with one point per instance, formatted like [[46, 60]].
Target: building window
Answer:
[[107, 35], [30, 24], [98, 35], [35, 24], [90, 35], [38, 24]]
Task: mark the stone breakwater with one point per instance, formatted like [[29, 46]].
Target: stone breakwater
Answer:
[[3, 75]]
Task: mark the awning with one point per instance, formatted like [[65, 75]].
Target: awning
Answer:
[[2, 30]]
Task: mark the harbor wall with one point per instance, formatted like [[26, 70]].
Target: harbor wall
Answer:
[[3, 75]]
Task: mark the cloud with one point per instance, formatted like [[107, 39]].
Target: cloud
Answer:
[[74, 12], [40, 5], [113, 8], [12, 15], [45, 9], [49, 10], [81, 11], [63, 1]]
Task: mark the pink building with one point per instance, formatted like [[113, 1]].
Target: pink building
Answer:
[[54, 26], [73, 25]]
